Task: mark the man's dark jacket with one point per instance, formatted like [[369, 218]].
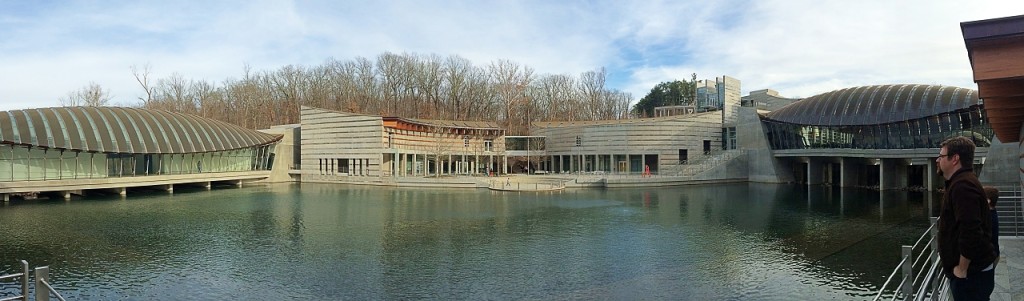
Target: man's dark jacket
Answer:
[[964, 224]]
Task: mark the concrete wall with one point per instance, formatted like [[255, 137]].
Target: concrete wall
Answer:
[[762, 165], [284, 152], [335, 135], [735, 169], [1001, 164], [662, 136]]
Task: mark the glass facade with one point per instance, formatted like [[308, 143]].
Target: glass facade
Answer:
[[24, 163], [925, 132], [522, 143], [108, 142], [904, 116]]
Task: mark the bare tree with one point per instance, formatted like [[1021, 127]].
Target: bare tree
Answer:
[[402, 85], [142, 76], [92, 95], [509, 80]]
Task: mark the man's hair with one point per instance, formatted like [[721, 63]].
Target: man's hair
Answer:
[[962, 146], [992, 194]]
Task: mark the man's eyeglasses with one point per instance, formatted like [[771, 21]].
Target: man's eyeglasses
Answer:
[[944, 155]]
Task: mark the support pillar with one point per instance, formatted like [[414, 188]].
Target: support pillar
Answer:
[[814, 172], [643, 163], [66, 194], [169, 188], [208, 185], [6, 197], [848, 172], [889, 174], [931, 177]]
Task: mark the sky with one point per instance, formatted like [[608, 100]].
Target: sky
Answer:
[[798, 48]]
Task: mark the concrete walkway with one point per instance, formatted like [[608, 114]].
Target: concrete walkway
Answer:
[[1010, 271]]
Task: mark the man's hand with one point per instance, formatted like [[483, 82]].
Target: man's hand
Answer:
[[960, 272]]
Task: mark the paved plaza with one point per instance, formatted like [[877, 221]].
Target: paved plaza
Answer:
[[1010, 271]]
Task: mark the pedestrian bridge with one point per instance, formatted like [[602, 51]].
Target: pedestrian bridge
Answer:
[[881, 168], [66, 187]]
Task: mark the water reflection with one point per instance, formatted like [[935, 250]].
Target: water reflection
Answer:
[[327, 242]]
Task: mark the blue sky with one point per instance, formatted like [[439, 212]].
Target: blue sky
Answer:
[[799, 48]]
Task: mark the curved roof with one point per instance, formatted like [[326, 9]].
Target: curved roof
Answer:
[[879, 104], [124, 130]]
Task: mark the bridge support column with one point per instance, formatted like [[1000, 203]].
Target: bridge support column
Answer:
[[848, 172], [66, 194], [891, 174], [932, 180], [169, 188], [6, 197], [814, 172], [207, 185], [238, 183]]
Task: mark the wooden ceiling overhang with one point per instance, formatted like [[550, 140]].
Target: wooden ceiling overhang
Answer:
[[995, 48]]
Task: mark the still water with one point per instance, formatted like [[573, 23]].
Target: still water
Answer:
[[331, 242]]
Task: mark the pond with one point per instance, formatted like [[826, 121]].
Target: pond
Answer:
[[332, 242]]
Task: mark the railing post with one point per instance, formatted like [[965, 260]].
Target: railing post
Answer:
[[908, 272], [1018, 227], [936, 283], [42, 293], [24, 280]]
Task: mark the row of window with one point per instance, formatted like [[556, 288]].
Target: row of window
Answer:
[[22, 163], [926, 132], [340, 166]]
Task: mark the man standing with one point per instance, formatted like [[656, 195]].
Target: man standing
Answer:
[[965, 229]]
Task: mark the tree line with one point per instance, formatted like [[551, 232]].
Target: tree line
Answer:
[[673, 93], [403, 85]]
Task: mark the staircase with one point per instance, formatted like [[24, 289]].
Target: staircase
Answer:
[[702, 163]]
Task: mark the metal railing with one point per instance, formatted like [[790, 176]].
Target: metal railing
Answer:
[[22, 278], [43, 289], [1011, 211], [920, 269], [508, 185]]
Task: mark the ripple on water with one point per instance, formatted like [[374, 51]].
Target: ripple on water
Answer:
[[331, 243]]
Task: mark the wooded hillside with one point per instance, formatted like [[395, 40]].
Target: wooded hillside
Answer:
[[405, 85]]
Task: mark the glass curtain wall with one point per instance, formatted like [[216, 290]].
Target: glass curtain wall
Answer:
[[24, 163], [927, 132]]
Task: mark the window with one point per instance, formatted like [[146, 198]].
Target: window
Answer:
[[489, 145]]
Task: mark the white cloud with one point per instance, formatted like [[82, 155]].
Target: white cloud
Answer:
[[799, 48]]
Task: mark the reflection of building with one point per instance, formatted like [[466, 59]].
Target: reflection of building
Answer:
[[338, 146], [71, 149]]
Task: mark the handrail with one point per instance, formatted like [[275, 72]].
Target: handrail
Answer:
[[43, 288], [889, 279], [509, 185], [922, 278], [43, 273], [24, 282]]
